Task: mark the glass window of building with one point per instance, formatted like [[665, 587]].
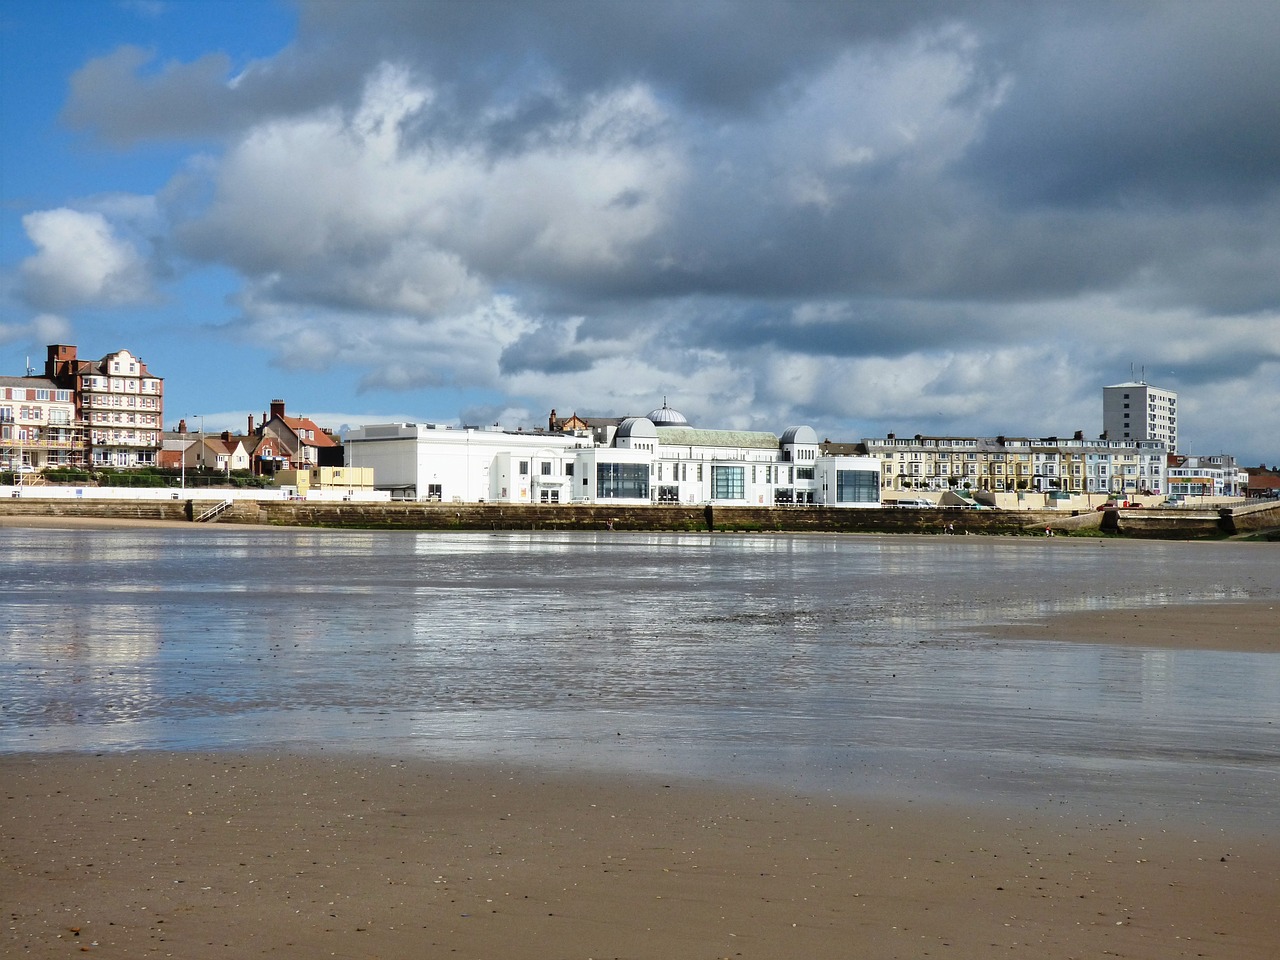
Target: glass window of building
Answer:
[[856, 486], [728, 483], [622, 481]]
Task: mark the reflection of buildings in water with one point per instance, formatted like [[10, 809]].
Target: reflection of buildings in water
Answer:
[[1143, 676], [94, 662], [88, 636]]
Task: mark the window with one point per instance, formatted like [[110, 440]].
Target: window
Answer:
[[804, 473], [621, 480], [856, 486], [524, 468], [728, 483], [546, 468], [435, 491]]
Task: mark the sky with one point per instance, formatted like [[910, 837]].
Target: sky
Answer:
[[946, 218]]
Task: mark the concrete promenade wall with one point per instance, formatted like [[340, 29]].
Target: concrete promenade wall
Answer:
[[1153, 524], [490, 516]]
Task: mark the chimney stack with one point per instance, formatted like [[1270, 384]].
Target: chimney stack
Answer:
[[182, 426], [251, 424], [61, 363], [277, 408]]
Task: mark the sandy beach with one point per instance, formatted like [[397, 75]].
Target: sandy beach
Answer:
[[219, 855], [1247, 627]]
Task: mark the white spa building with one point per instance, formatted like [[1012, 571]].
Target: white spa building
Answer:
[[655, 459]]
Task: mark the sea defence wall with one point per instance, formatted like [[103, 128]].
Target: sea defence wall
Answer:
[[1193, 524], [491, 516], [420, 516], [1150, 524]]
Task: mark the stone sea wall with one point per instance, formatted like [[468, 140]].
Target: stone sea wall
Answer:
[[489, 516], [1152, 524]]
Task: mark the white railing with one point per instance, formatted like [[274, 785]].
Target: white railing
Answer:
[[215, 511]]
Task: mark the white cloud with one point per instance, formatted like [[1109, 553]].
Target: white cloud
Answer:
[[45, 328], [327, 187], [365, 242], [80, 261]]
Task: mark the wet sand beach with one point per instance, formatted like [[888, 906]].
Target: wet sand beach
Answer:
[[215, 855], [1247, 627]]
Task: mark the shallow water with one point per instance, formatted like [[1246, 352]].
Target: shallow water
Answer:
[[841, 663]]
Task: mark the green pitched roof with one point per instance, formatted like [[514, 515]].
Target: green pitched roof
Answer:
[[694, 437]]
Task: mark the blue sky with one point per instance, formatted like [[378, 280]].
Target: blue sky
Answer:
[[928, 217]]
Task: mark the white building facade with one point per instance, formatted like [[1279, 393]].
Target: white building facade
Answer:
[[641, 463], [1214, 476], [1139, 411], [427, 461]]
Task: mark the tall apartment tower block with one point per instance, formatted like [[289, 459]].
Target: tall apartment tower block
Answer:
[[1140, 411]]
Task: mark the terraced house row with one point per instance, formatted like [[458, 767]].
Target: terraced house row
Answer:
[[1010, 464]]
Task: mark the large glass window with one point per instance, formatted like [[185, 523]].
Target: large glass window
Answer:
[[856, 486], [728, 483], [622, 480]]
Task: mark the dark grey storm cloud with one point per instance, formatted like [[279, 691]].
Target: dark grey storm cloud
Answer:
[[717, 55], [721, 55], [1174, 102]]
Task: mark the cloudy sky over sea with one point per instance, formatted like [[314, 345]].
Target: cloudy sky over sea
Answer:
[[920, 217]]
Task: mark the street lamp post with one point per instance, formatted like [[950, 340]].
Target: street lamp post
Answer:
[[200, 449]]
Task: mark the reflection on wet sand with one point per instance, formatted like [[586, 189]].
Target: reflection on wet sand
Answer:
[[853, 664]]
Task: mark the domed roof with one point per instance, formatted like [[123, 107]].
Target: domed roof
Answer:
[[636, 427], [664, 416], [799, 435]]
